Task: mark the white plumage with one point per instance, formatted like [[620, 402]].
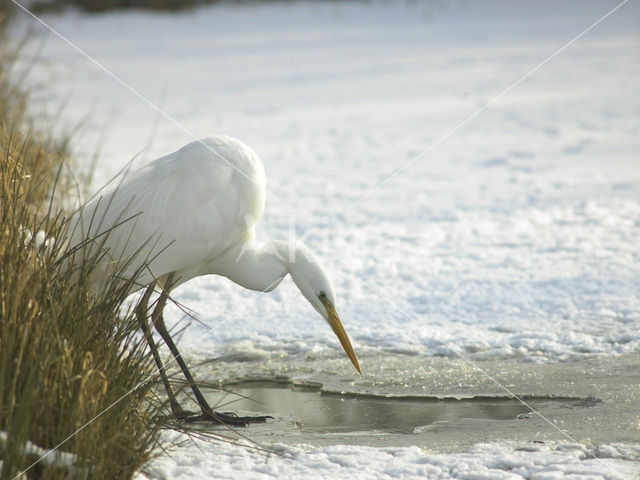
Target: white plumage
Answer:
[[181, 211]]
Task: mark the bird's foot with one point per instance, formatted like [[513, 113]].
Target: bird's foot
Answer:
[[184, 415], [227, 418]]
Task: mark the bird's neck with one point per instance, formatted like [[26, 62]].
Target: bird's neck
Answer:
[[256, 268]]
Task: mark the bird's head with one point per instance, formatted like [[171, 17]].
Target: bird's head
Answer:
[[314, 284]]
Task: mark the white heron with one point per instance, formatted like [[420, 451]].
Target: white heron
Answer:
[[192, 213]]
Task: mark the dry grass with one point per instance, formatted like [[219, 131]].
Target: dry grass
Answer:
[[71, 365]]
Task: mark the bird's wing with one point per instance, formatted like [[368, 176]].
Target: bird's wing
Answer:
[[182, 209]]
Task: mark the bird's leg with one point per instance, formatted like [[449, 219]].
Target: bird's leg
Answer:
[[207, 411], [141, 313], [158, 322]]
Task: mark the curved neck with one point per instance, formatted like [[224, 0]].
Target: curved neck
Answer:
[[259, 269]]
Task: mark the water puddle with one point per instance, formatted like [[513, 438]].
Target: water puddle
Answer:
[[334, 412]]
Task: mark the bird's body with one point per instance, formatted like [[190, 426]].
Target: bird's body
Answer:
[[192, 213], [180, 213]]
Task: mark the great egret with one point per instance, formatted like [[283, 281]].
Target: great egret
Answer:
[[192, 213]]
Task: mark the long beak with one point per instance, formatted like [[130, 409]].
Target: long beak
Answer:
[[338, 329]]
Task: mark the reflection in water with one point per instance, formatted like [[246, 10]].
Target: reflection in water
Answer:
[[338, 413]]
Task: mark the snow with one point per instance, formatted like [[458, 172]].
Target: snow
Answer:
[[44, 456], [488, 461], [516, 236]]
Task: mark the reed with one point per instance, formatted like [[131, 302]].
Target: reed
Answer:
[[74, 370]]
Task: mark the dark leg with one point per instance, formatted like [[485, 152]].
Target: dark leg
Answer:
[[141, 313], [207, 411]]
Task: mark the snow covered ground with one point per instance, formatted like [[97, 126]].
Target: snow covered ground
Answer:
[[485, 461], [516, 235]]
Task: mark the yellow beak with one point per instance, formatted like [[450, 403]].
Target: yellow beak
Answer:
[[338, 329]]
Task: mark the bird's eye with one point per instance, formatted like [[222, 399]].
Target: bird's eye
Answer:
[[322, 295]]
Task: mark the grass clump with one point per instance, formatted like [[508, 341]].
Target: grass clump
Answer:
[[73, 369]]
